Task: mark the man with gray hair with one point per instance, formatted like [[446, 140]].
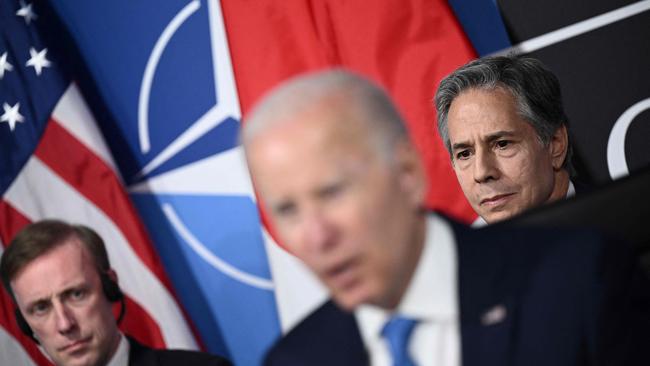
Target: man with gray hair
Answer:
[[503, 123], [344, 188]]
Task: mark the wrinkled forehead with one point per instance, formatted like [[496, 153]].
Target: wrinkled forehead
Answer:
[[311, 141], [65, 262], [301, 156]]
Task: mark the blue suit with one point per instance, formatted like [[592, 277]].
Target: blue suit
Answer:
[[570, 298]]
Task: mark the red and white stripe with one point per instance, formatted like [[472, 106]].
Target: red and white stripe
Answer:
[[72, 176]]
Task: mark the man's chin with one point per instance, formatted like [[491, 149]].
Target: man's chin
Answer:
[[350, 300], [494, 217], [346, 303], [74, 361], [86, 359]]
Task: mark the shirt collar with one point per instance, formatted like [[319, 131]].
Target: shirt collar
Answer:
[[432, 292], [571, 191], [121, 356]]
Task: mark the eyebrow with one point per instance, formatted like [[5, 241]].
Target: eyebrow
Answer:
[[499, 134], [279, 205], [30, 305], [66, 291], [489, 138], [460, 145]]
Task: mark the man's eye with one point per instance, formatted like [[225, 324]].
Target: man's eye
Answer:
[[332, 190], [502, 144], [463, 154], [40, 308], [285, 209], [77, 295]]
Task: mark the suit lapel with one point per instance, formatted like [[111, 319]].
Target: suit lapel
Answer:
[[139, 355], [487, 306], [329, 336]]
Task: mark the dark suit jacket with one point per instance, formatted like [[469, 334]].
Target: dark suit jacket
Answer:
[[570, 299], [141, 355]]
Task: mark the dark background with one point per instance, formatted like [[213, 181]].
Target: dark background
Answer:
[[603, 73]]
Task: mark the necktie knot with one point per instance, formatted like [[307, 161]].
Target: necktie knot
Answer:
[[397, 332]]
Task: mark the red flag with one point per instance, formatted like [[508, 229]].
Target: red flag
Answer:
[[405, 46]]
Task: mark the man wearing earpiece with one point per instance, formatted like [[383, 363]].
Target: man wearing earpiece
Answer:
[[61, 281]]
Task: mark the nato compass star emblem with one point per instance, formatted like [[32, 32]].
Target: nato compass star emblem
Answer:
[[208, 198]]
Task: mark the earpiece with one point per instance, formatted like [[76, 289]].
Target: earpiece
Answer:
[[111, 289], [113, 293], [24, 327]]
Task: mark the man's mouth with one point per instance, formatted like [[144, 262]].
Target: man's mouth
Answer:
[[342, 274], [75, 346], [496, 200]]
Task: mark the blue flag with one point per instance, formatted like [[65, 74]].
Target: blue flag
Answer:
[[163, 72]]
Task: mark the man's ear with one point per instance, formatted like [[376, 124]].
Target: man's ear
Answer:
[[412, 176], [112, 275], [558, 147]]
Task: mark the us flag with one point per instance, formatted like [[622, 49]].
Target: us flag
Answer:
[[54, 163]]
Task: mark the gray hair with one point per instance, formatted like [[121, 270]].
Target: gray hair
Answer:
[[361, 98], [535, 88]]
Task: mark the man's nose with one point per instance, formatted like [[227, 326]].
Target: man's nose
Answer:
[[485, 167], [65, 320], [318, 231]]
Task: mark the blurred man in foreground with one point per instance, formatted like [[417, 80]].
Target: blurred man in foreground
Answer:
[[344, 187], [503, 123], [60, 279]]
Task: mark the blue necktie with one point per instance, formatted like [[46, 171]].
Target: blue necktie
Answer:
[[397, 332]]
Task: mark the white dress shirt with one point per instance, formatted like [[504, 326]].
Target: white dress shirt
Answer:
[[121, 356], [570, 192], [431, 298]]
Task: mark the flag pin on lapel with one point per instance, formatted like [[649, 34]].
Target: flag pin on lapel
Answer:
[[494, 315]]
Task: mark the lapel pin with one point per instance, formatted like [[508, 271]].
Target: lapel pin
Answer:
[[494, 315]]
